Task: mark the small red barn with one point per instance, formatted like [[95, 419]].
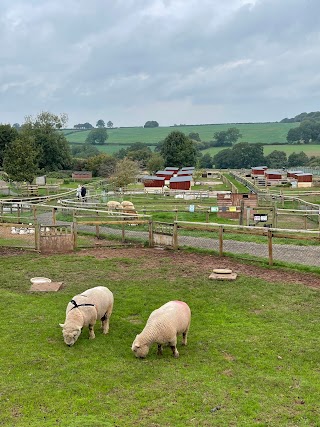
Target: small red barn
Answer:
[[186, 172], [172, 168], [153, 181], [167, 174], [291, 174], [180, 183], [259, 170], [304, 179], [273, 175], [188, 168], [78, 175]]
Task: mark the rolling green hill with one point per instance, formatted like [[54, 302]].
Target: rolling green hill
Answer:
[[266, 133]]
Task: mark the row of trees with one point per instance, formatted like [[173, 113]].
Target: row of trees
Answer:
[[245, 155], [37, 147], [100, 124]]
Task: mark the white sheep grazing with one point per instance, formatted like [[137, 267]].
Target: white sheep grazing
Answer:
[[84, 310], [162, 327]]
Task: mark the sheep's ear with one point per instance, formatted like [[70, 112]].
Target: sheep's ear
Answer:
[[61, 324]]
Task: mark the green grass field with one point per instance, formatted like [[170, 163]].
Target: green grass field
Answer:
[[266, 133], [252, 357], [310, 150]]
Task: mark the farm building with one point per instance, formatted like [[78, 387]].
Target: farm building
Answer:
[[180, 182], [172, 168], [81, 175], [153, 183], [273, 175], [186, 172], [189, 168], [166, 174], [231, 204], [259, 170], [291, 174], [304, 179]]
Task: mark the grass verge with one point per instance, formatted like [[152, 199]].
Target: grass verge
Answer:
[[252, 358]]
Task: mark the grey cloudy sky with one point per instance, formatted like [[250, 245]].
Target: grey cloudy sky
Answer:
[[173, 61]]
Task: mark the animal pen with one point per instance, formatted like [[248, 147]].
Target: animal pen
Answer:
[[63, 228]]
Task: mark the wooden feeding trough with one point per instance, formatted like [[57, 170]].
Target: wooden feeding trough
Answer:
[[223, 274]]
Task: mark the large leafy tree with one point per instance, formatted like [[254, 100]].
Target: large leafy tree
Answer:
[[20, 160], [307, 133], [298, 159], [100, 124], [110, 124], [241, 155], [226, 138], [125, 173], [155, 163], [95, 164], [178, 150], [139, 152], [7, 135], [53, 150], [151, 124], [84, 151], [206, 161], [276, 159], [97, 136]]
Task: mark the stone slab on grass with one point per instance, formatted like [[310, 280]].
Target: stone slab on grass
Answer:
[[46, 287], [220, 274]]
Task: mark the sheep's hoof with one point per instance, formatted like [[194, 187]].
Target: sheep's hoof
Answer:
[[92, 337], [176, 355]]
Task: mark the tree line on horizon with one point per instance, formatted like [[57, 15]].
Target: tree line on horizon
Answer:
[[38, 147]]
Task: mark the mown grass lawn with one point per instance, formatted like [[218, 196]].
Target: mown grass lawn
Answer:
[[252, 358]]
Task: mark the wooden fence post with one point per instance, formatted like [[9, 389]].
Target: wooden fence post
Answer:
[[221, 241], [54, 211], [97, 228], [37, 236], [151, 243], [270, 247], [123, 234], [175, 236]]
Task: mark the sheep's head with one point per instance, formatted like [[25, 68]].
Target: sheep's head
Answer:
[[140, 350], [70, 333]]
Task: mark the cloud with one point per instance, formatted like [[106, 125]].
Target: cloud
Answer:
[[171, 61]]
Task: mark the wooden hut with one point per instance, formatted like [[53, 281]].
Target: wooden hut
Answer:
[[291, 174], [180, 183], [81, 175], [191, 168], [172, 168], [186, 172], [258, 171], [304, 179], [153, 183], [231, 204]]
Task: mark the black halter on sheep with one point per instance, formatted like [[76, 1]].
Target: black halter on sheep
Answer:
[[92, 305]]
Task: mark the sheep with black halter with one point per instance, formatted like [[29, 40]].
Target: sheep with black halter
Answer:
[[84, 310]]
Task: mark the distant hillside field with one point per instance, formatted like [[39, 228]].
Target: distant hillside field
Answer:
[[267, 133], [309, 150]]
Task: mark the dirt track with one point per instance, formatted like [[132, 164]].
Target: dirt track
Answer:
[[204, 264]]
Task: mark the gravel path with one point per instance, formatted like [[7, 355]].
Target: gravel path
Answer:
[[306, 255]]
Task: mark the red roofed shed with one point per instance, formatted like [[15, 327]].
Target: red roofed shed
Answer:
[[180, 183]]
